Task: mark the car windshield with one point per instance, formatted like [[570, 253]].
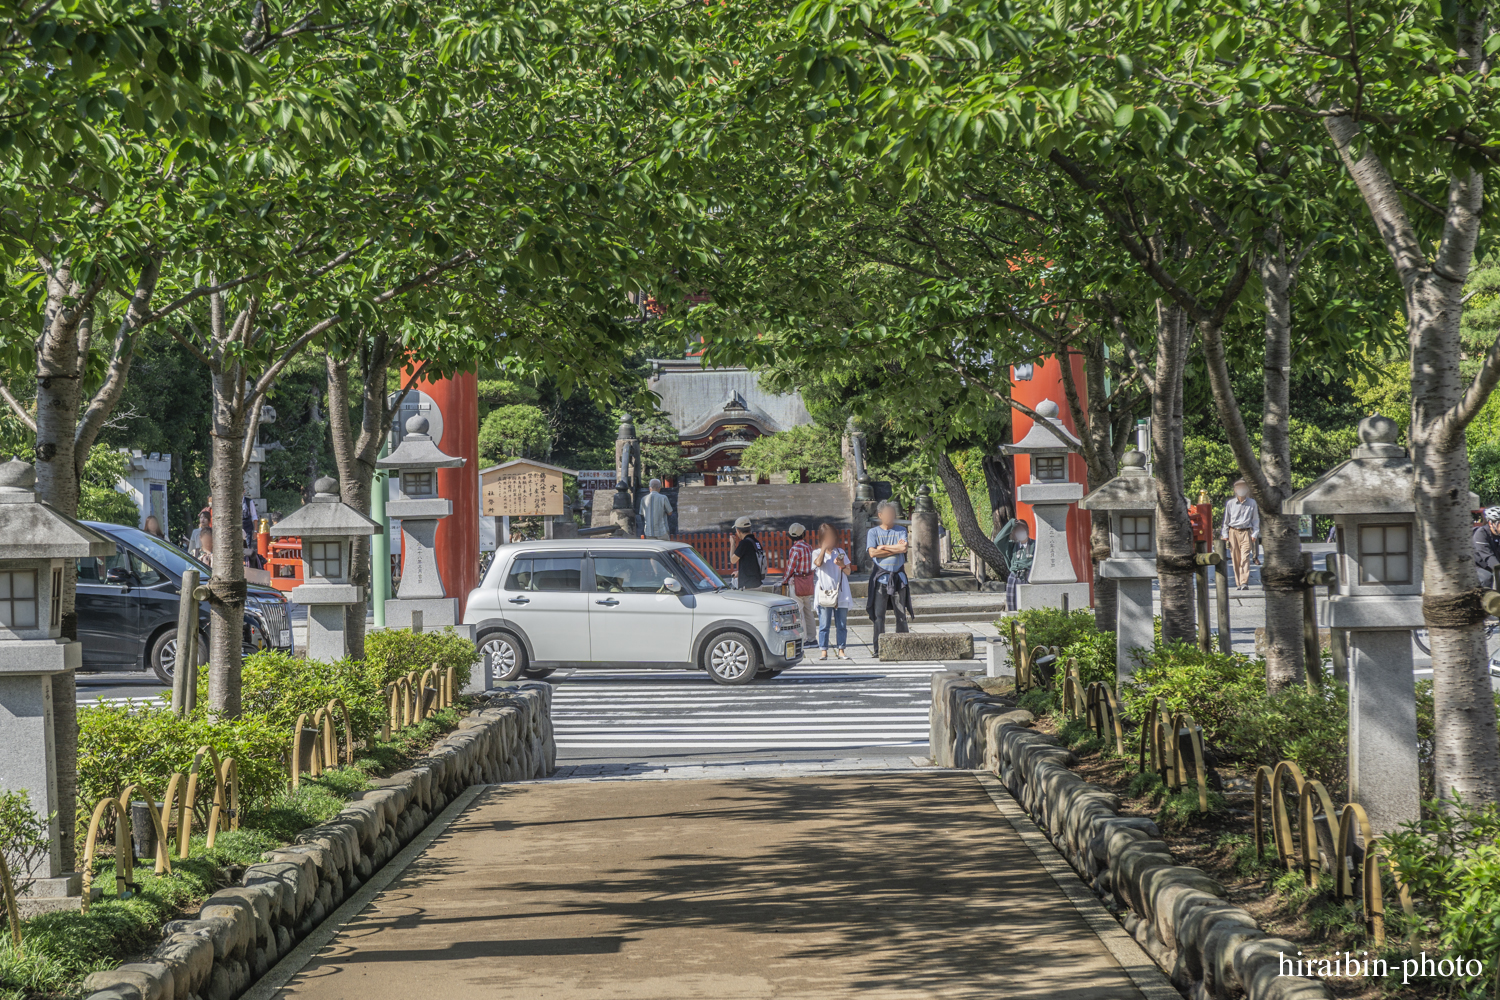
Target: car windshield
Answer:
[[168, 556], [697, 574]]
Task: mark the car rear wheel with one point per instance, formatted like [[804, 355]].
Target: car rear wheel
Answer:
[[731, 658], [537, 673], [506, 654], [163, 655]]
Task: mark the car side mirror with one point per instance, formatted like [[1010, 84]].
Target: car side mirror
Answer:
[[672, 585], [119, 575]]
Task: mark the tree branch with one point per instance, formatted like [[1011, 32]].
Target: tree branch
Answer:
[[17, 409]]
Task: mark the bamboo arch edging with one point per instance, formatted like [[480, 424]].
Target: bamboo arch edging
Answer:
[[1352, 821], [325, 744], [1165, 755]]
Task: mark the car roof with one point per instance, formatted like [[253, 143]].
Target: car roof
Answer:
[[573, 544]]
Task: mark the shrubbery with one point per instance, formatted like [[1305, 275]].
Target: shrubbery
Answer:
[[395, 652], [1051, 627], [24, 839], [280, 687], [146, 744]]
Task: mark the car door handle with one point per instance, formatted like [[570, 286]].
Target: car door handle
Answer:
[[520, 600], [610, 601]]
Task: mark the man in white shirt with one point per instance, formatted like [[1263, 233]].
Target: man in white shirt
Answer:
[[1241, 529], [655, 510]]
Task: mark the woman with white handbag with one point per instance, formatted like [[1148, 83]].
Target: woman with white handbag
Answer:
[[831, 568]]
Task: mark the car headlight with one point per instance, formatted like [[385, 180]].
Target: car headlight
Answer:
[[784, 619]]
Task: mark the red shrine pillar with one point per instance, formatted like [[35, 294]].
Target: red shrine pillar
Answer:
[[1046, 383], [457, 538]]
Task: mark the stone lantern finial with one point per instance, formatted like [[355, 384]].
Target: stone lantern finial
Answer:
[[18, 481], [1133, 462], [1377, 438], [417, 424], [325, 489]]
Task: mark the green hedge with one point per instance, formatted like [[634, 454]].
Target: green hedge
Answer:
[[145, 744], [395, 652]]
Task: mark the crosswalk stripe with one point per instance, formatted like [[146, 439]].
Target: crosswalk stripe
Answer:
[[831, 706]]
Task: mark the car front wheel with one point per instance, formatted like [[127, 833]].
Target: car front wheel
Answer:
[[731, 658], [507, 657], [163, 655]]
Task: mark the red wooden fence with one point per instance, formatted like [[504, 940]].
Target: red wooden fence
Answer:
[[715, 546]]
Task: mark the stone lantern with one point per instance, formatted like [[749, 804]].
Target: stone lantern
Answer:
[[1130, 500], [1378, 602], [1050, 493], [38, 548], [327, 527], [414, 465]]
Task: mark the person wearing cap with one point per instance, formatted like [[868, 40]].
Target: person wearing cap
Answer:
[[799, 573], [747, 557], [1241, 529], [655, 511]]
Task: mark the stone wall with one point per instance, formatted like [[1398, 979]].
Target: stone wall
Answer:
[[1208, 946], [241, 932], [714, 508]]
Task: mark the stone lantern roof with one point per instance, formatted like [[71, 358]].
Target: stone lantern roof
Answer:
[[417, 450], [1132, 489], [31, 529], [1376, 479], [1042, 438], [325, 516]]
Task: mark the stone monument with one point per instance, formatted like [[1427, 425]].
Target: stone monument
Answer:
[[414, 466], [1377, 604], [1050, 493], [924, 562], [1130, 499], [37, 547], [327, 527]]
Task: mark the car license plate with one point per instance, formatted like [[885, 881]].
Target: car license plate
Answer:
[[791, 650], [286, 637]]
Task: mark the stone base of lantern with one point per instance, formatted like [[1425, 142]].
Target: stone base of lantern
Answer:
[[1134, 627], [325, 632], [63, 894], [437, 612], [1050, 595]]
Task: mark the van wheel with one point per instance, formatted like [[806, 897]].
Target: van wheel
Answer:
[[731, 658], [507, 655], [163, 655]]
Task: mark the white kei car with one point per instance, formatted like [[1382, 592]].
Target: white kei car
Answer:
[[622, 602]]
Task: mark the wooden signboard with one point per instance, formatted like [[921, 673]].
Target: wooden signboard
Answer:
[[522, 488]]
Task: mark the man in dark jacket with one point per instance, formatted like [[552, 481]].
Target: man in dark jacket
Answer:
[[1487, 547]]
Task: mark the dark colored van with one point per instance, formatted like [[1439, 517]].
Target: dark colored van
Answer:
[[127, 606]]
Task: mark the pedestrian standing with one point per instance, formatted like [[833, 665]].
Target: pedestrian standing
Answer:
[[1241, 529], [655, 510], [204, 552], [831, 569], [799, 573], [748, 557], [205, 521], [1019, 550], [888, 587]]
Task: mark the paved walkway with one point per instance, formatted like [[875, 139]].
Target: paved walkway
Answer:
[[877, 884]]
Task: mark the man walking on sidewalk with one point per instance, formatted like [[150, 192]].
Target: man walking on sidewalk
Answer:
[[799, 574], [1241, 529], [888, 588]]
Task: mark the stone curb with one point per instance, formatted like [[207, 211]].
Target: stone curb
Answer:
[[1208, 947], [241, 932]]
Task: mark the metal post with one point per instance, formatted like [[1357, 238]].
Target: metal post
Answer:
[[416, 621], [1336, 637], [1311, 648], [1205, 641], [380, 546], [185, 667], [1221, 596]]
